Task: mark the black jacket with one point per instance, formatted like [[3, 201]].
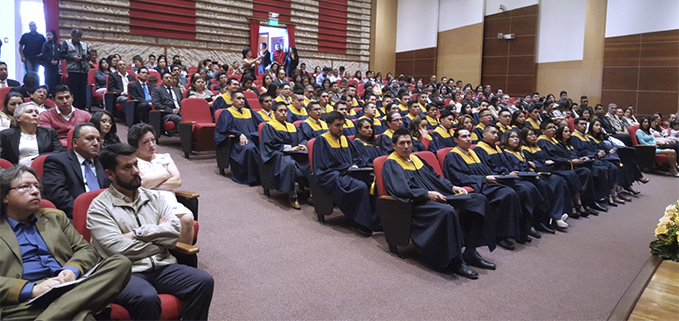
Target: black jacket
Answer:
[[63, 180], [162, 100], [137, 92], [115, 82], [48, 142]]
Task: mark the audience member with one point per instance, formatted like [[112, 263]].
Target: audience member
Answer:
[[136, 222], [442, 136], [162, 66], [167, 99], [9, 105], [31, 82], [21, 144], [103, 121], [39, 97], [313, 126], [644, 137], [291, 61], [250, 63], [364, 148], [30, 48], [41, 250], [51, 56], [266, 57], [394, 122], [76, 55], [118, 82], [64, 117], [140, 92], [265, 114], [4, 81]]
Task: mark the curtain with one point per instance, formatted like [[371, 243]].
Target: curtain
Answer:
[[291, 35], [254, 40], [51, 8]]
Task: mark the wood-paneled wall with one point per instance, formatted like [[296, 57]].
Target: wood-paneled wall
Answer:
[[642, 70], [221, 29], [510, 64], [420, 63]]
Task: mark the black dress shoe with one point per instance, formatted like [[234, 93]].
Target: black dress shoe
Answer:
[[574, 215], [462, 269], [599, 207], [362, 230], [542, 227], [506, 244], [532, 232], [477, 261], [611, 203]]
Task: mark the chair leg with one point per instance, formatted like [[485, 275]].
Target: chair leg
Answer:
[[266, 192], [393, 250], [222, 172]]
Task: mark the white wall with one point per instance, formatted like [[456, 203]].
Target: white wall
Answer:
[[561, 30], [628, 17], [493, 6], [459, 13], [9, 52], [417, 24]]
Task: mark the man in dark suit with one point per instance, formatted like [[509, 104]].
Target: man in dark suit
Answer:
[[140, 92], [40, 249], [4, 82], [67, 175], [118, 81], [168, 99], [266, 61]]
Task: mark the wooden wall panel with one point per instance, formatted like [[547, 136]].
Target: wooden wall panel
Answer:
[[517, 56], [460, 53], [642, 70], [419, 63]]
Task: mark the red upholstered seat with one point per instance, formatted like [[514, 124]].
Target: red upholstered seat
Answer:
[[38, 164], [5, 164], [197, 129]]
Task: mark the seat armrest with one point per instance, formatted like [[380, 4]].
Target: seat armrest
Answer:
[[186, 248], [188, 122], [186, 194]]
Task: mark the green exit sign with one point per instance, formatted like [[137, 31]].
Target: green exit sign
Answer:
[[273, 22]]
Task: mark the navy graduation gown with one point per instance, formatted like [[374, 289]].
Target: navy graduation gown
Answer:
[[349, 128], [295, 114], [466, 169], [364, 153], [310, 129], [384, 141], [243, 160], [539, 157], [441, 138], [331, 160], [585, 146], [287, 170]]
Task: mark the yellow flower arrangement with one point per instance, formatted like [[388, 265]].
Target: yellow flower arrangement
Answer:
[[666, 244]]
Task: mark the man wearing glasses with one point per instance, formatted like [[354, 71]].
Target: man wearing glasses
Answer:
[[40, 249]]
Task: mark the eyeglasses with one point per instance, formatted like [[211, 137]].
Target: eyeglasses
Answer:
[[27, 188]]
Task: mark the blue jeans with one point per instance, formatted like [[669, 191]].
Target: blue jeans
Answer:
[[32, 65]]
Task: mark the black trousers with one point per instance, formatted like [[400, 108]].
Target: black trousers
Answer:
[[141, 112], [77, 81], [191, 286]]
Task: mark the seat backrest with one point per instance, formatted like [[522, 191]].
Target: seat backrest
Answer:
[[3, 92], [196, 109], [297, 122], [425, 142], [259, 130], [107, 77], [218, 112], [571, 123], [633, 134], [249, 95], [378, 163], [310, 148], [414, 96], [153, 72], [441, 155], [5, 164], [38, 163], [254, 104], [446, 101], [91, 79], [430, 158], [80, 207], [69, 139], [47, 204]]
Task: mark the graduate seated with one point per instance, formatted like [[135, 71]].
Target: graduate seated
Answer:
[[240, 123], [351, 113], [403, 99], [413, 111], [464, 168], [437, 233], [370, 113], [265, 114], [349, 128], [352, 93], [224, 99], [442, 136], [333, 161], [422, 102], [533, 120], [296, 110], [324, 101], [504, 123], [432, 117], [419, 134], [365, 149], [279, 141], [394, 123], [284, 94], [313, 126], [485, 119]]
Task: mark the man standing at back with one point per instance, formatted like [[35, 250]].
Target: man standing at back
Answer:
[[30, 48], [67, 175], [135, 222], [75, 52]]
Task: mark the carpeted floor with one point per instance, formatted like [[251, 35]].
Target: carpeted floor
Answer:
[[272, 262]]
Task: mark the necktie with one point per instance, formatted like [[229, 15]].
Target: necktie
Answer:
[[319, 123], [146, 92], [90, 178], [174, 98]]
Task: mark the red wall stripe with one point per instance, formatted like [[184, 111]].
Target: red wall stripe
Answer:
[[163, 18], [261, 9], [332, 14]]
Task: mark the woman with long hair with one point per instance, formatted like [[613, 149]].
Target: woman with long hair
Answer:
[[51, 51], [12, 100], [419, 133], [105, 124], [291, 61], [250, 62], [265, 84], [101, 74], [364, 143], [645, 137], [519, 119], [198, 89]]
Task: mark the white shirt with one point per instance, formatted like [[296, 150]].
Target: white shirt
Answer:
[[66, 117], [3, 83], [174, 97], [81, 160], [28, 149], [126, 81]]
